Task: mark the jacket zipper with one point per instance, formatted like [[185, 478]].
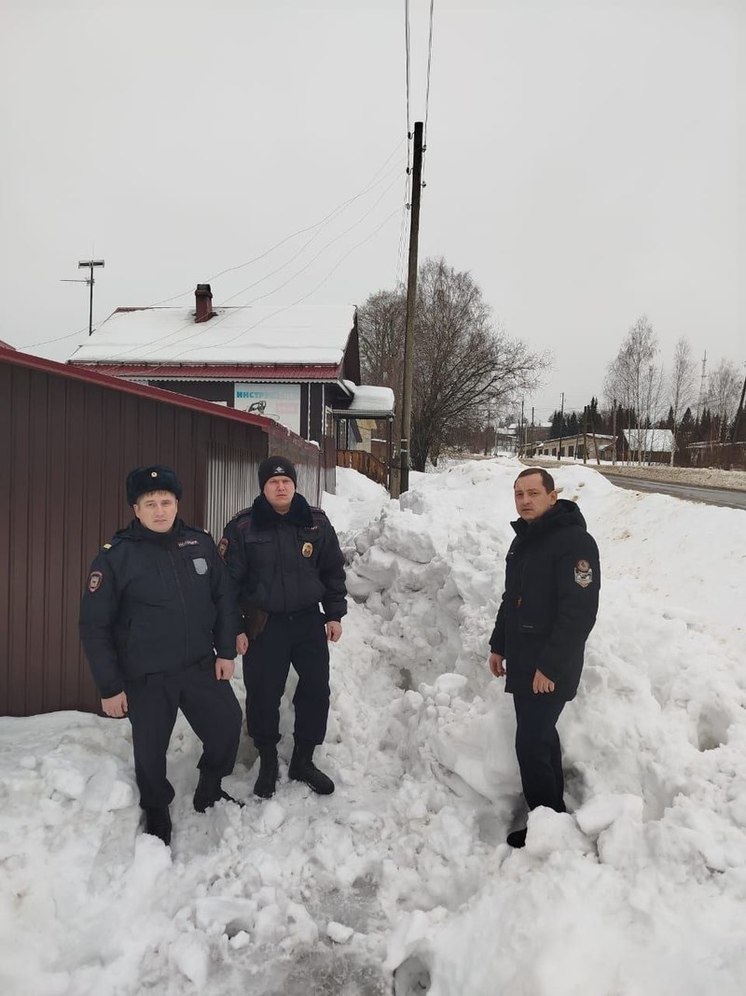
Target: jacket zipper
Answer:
[[183, 606]]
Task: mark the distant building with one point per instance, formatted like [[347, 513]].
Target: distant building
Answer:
[[298, 365], [648, 445], [575, 447]]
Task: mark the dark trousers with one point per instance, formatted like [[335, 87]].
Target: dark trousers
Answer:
[[211, 709], [537, 747], [297, 638]]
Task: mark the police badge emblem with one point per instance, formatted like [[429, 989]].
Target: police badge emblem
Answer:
[[307, 549], [95, 580], [583, 573]]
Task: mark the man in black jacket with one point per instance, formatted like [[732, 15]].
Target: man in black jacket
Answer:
[[285, 557], [552, 581], [159, 624]]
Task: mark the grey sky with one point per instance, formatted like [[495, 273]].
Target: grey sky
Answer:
[[585, 162]]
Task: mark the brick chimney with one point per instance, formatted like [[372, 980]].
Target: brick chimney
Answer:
[[203, 303]]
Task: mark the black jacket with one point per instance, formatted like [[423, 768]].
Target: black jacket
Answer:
[[285, 563], [156, 602], [552, 581]]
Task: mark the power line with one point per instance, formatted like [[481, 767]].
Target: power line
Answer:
[[370, 185], [305, 297], [429, 63], [162, 340], [407, 63]]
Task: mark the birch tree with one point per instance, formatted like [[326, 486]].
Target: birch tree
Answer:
[[681, 385]]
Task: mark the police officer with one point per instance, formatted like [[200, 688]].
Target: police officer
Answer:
[[159, 624], [552, 582], [285, 557]]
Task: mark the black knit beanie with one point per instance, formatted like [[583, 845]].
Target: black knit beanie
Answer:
[[276, 466]]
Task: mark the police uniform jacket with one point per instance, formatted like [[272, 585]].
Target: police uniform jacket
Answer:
[[156, 603], [285, 563], [552, 582]]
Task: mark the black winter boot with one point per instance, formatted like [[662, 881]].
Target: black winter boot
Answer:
[[267, 779], [158, 823], [209, 791], [302, 769]]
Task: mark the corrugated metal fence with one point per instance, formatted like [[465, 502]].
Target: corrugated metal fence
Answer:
[[67, 440]]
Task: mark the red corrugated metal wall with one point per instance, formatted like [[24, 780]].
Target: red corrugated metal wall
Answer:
[[65, 448]]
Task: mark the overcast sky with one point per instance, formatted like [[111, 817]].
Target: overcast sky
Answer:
[[585, 162]]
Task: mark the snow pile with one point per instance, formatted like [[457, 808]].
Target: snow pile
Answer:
[[404, 870]]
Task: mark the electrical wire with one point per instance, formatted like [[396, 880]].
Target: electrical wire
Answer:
[[305, 297], [162, 340], [429, 64], [369, 185], [407, 63]]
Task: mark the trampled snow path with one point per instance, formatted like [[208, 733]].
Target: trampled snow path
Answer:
[[640, 891]]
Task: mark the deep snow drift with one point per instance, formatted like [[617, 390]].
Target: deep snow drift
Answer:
[[641, 890]]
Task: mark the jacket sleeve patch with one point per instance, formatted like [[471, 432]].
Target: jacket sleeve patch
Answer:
[[222, 547], [583, 574], [95, 580]]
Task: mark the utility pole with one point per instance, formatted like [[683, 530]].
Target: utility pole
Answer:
[[521, 433], [613, 433], [414, 234], [702, 385], [533, 433], [739, 413], [562, 426], [87, 264], [585, 434]]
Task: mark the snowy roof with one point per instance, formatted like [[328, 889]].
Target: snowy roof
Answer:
[[315, 334], [368, 401], [650, 440]]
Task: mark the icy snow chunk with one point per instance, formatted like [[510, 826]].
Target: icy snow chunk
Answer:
[[239, 940], [230, 915], [338, 933], [451, 684], [273, 816], [191, 956], [550, 832], [600, 812]]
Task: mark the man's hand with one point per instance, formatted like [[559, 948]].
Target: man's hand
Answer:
[[224, 669], [542, 683], [116, 706], [333, 631], [496, 663], [242, 643]]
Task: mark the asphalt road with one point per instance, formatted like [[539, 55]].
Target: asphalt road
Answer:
[[689, 492]]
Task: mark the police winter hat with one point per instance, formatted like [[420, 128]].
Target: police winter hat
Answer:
[[141, 480], [276, 466]]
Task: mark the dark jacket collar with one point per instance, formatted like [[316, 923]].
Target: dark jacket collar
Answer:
[[264, 516], [563, 513], [137, 531]]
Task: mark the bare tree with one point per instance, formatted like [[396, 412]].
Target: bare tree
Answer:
[[463, 364], [723, 393], [635, 380], [681, 385]]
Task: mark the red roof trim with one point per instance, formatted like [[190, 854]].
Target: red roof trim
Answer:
[[76, 372], [188, 371]]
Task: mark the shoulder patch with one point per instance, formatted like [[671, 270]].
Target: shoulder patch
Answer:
[[583, 573], [95, 580], [223, 546]]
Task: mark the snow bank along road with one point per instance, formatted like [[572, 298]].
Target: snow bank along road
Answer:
[[403, 870], [725, 497]]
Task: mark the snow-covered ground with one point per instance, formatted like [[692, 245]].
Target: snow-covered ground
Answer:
[[639, 891]]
